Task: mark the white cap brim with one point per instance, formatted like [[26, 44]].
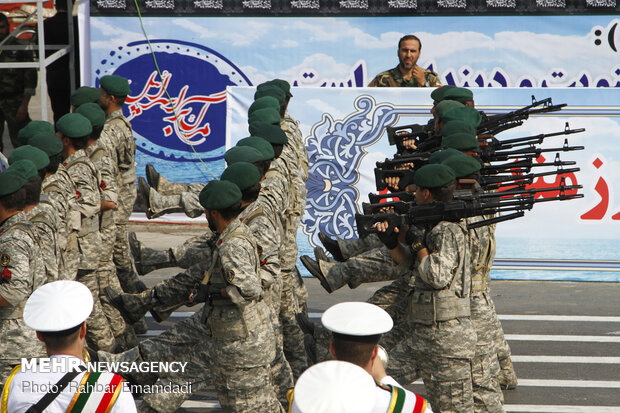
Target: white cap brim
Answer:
[[357, 319]]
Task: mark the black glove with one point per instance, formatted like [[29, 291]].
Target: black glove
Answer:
[[415, 237], [389, 238]]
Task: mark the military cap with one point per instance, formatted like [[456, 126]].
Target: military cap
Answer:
[[271, 133], [85, 94], [242, 154], [267, 115], [58, 306], [12, 179], [26, 168], [455, 126], [334, 386], [115, 85], [34, 155], [461, 141], [444, 106], [219, 194], [466, 114], [47, 142], [74, 125], [462, 165], [93, 113], [270, 90], [460, 94], [440, 156], [357, 319], [259, 144], [32, 128], [282, 84], [242, 174], [437, 94], [264, 102], [433, 176]]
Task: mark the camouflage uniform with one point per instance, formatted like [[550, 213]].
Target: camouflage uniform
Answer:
[[485, 366], [87, 180], [14, 85], [184, 202], [61, 191], [46, 225], [442, 342], [106, 272], [352, 247], [125, 149], [22, 272], [394, 78], [184, 255]]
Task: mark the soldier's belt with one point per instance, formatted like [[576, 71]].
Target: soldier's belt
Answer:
[[429, 307]]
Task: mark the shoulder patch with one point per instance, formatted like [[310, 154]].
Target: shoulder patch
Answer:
[[5, 260], [230, 275], [6, 275]]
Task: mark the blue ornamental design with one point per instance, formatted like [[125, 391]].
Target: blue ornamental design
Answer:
[[335, 151]]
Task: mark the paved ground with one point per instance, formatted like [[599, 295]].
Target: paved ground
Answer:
[[565, 336]]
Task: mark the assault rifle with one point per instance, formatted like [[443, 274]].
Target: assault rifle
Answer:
[[530, 152], [401, 195], [398, 134], [498, 181], [523, 166], [493, 125]]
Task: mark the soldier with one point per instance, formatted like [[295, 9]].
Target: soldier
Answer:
[[59, 187], [40, 210], [21, 266], [17, 85], [442, 338], [32, 128], [407, 73], [84, 94], [57, 312], [74, 131]]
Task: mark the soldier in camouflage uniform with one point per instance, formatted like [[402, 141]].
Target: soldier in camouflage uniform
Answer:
[[407, 73], [443, 339], [58, 186], [21, 269], [75, 130], [40, 211], [17, 85]]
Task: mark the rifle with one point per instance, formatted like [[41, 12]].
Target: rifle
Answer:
[[530, 152], [397, 134], [523, 166], [534, 139], [401, 195], [405, 175], [497, 181], [419, 159]]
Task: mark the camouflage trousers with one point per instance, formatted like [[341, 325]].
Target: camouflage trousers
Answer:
[[166, 187], [501, 345], [98, 334], [17, 341], [241, 385], [186, 202], [8, 113], [191, 251], [122, 255], [352, 247], [488, 396], [70, 258]]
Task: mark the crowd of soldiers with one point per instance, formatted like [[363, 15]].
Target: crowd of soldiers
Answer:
[[70, 188]]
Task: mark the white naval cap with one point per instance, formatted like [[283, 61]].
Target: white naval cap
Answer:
[[357, 319], [58, 306], [334, 387]]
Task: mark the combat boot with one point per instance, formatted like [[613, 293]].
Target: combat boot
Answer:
[[160, 184], [156, 205], [319, 255], [507, 375], [331, 246], [313, 267], [132, 306]]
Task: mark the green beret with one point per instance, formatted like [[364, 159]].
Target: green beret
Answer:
[[26, 168], [437, 94], [32, 128], [466, 114], [74, 125], [270, 90], [85, 94], [461, 141], [271, 133], [242, 154], [11, 180], [93, 113], [445, 105], [282, 84], [455, 126], [242, 174], [34, 155], [260, 144], [219, 195], [433, 176], [115, 85], [440, 156], [460, 94], [267, 115], [264, 102], [47, 142], [462, 165]]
